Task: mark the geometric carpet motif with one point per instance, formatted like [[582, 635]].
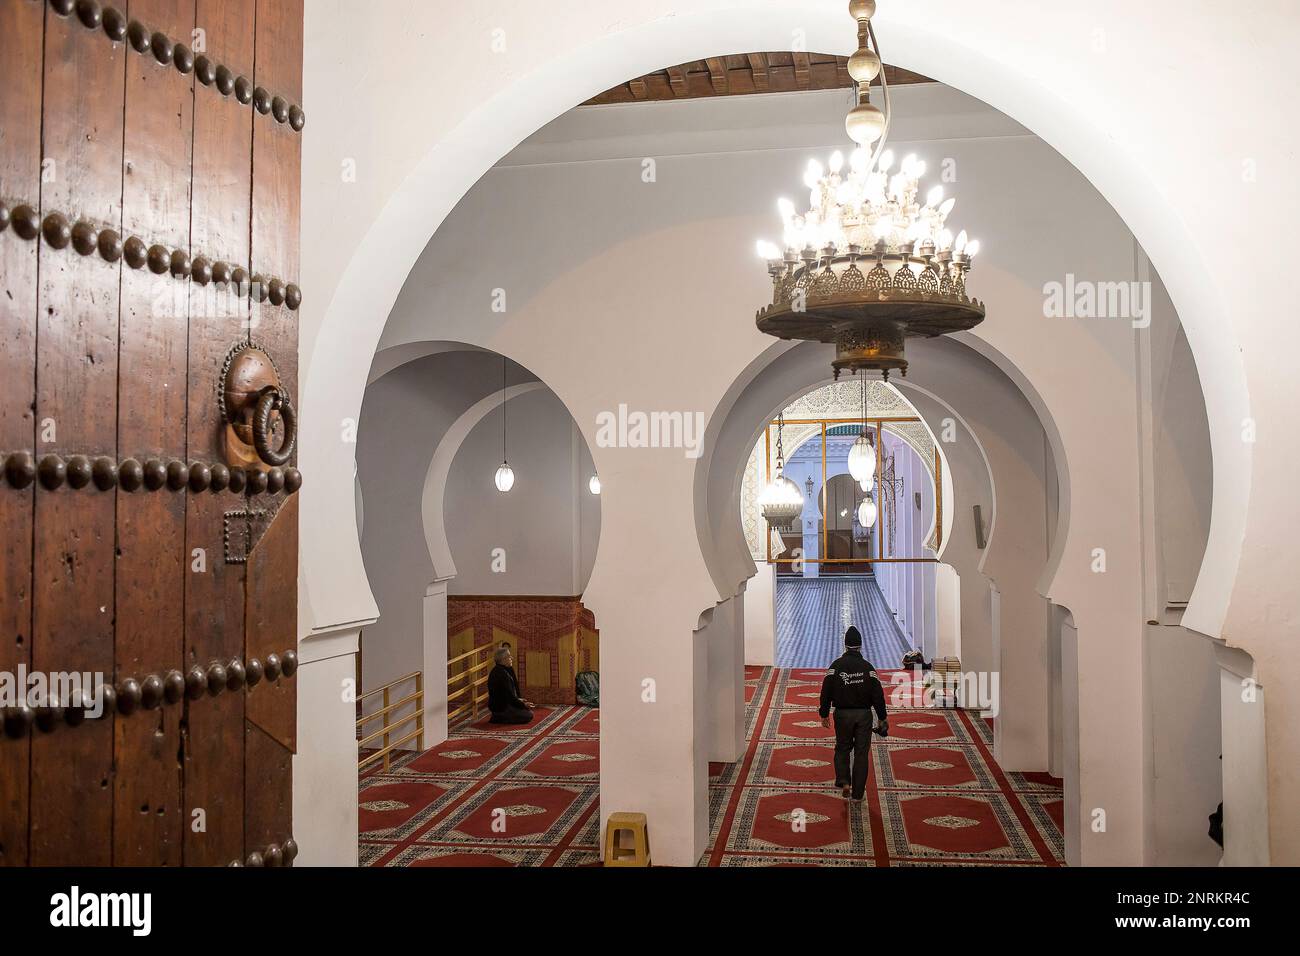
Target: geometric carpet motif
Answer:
[[935, 796], [529, 795], [812, 615], [490, 795]]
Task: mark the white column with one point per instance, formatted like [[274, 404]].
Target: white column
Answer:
[[929, 601], [760, 616], [655, 720], [812, 541], [947, 595], [1074, 809], [1245, 761], [325, 766], [434, 663], [725, 684], [1055, 702]]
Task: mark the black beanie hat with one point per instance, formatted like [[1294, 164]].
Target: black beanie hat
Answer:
[[852, 638]]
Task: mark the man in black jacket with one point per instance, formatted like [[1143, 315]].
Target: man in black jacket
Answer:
[[852, 687], [503, 691]]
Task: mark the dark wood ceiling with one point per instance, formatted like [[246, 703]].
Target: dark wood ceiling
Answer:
[[744, 73]]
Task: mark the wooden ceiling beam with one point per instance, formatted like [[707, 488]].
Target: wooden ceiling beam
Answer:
[[717, 74], [802, 75], [770, 72], [677, 80]]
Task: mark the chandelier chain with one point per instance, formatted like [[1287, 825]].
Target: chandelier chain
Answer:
[[780, 448], [884, 96]]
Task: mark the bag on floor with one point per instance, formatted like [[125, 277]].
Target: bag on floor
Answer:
[[587, 686]]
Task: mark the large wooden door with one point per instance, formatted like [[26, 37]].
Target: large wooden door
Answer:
[[149, 211]]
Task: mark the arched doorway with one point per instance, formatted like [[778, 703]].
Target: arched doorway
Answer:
[[465, 565], [831, 569]]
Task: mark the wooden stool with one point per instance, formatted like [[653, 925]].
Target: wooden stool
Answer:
[[634, 823], [946, 676]]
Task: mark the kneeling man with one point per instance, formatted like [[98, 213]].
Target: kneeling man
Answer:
[[503, 691]]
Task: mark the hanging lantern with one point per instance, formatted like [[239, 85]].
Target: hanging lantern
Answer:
[[862, 456], [862, 461], [867, 513], [505, 477], [781, 502]]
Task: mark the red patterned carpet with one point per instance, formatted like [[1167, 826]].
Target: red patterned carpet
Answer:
[[528, 796], [935, 796], [491, 795]]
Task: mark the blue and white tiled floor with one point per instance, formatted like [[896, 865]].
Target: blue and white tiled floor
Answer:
[[812, 615]]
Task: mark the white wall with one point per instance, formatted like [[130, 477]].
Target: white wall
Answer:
[[908, 588], [549, 522], [1182, 461]]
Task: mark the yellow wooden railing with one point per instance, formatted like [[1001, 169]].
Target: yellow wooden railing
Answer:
[[468, 708], [390, 724]]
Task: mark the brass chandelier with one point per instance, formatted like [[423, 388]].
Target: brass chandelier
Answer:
[[868, 264]]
